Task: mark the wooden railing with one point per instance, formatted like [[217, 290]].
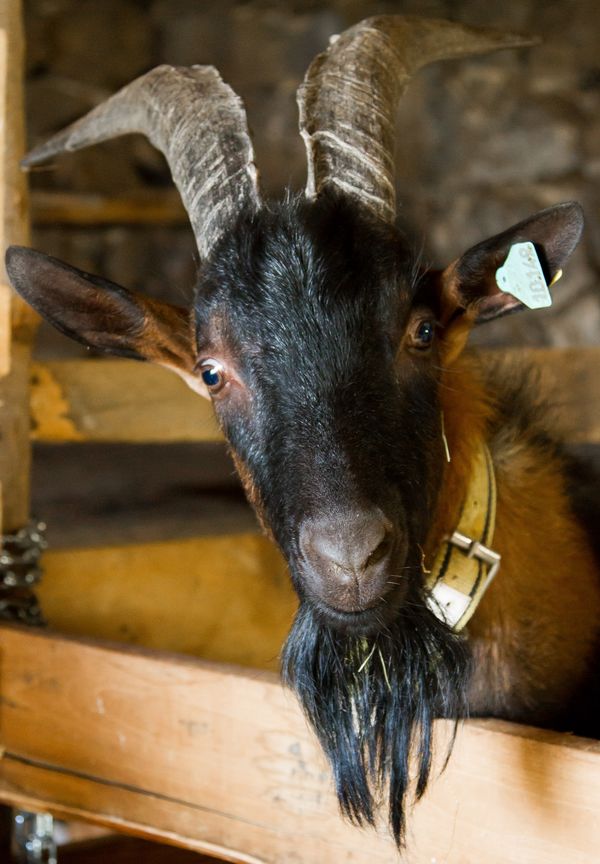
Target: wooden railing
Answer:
[[218, 759]]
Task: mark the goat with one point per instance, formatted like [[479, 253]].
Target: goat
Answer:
[[358, 424]]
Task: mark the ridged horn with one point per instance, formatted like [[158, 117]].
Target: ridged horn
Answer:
[[350, 94], [200, 125]]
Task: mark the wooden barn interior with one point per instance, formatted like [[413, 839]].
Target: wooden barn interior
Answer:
[[141, 713]]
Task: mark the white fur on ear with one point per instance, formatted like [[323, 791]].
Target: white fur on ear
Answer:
[[193, 380]]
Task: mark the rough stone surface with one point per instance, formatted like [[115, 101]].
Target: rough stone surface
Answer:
[[482, 143]]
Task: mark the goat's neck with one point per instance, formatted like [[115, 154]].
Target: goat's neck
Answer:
[[466, 414], [523, 633]]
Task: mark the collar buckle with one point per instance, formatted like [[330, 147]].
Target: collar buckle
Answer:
[[464, 565], [453, 605], [477, 550]]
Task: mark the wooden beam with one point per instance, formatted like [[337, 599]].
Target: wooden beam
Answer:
[[121, 400], [212, 758], [188, 596], [14, 223], [5, 330], [15, 451], [139, 207], [116, 400], [17, 321]]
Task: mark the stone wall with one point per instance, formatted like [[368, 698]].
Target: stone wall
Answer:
[[481, 143]]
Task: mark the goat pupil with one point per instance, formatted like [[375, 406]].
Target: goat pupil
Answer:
[[425, 333], [211, 376]]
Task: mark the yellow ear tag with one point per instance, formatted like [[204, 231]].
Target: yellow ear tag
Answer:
[[555, 278]]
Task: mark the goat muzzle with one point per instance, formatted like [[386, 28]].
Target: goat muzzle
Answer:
[[348, 559]]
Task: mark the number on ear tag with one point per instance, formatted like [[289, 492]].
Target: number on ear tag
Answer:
[[522, 276]]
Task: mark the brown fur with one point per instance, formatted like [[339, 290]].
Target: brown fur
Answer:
[[251, 491], [535, 632], [167, 337]]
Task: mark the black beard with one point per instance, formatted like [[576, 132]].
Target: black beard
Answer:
[[372, 702]]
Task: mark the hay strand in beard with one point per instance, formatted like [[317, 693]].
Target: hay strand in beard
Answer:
[[372, 701]]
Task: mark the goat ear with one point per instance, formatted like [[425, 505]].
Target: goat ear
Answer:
[[466, 292], [469, 283], [103, 315]]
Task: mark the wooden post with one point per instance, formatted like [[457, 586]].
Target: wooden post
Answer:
[[17, 322]]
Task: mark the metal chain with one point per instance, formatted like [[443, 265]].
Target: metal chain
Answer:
[[19, 572], [33, 838], [32, 835]]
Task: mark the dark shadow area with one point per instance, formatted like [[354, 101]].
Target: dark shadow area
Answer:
[[103, 494], [127, 850]]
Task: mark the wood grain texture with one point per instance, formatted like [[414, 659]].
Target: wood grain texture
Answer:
[[121, 400], [225, 598], [5, 329], [15, 453], [213, 758], [18, 321], [143, 207], [14, 225], [115, 400]]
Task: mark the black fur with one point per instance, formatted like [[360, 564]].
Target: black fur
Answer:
[[372, 702], [313, 300]]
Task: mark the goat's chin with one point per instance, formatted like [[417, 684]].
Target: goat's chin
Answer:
[[372, 700], [363, 623]]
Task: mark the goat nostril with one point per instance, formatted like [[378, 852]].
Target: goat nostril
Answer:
[[354, 547], [380, 552], [347, 558]]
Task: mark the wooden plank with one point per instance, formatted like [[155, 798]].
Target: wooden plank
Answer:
[[187, 596], [17, 324], [139, 207], [116, 400], [40, 789], [15, 451], [121, 400], [210, 757], [14, 225], [5, 330]]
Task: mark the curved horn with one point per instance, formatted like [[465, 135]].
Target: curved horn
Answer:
[[199, 124], [350, 93]]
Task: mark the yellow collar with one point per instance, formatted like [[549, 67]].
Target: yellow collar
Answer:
[[465, 565]]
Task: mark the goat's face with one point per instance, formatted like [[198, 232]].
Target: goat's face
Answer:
[[321, 366], [321, 345]]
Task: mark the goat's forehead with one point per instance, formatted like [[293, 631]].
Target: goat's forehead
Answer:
[[311, 269]]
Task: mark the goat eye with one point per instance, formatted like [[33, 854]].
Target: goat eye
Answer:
[[424, 334], [213, 375]]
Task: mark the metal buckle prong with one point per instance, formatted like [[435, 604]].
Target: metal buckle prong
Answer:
[[477, 550]]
